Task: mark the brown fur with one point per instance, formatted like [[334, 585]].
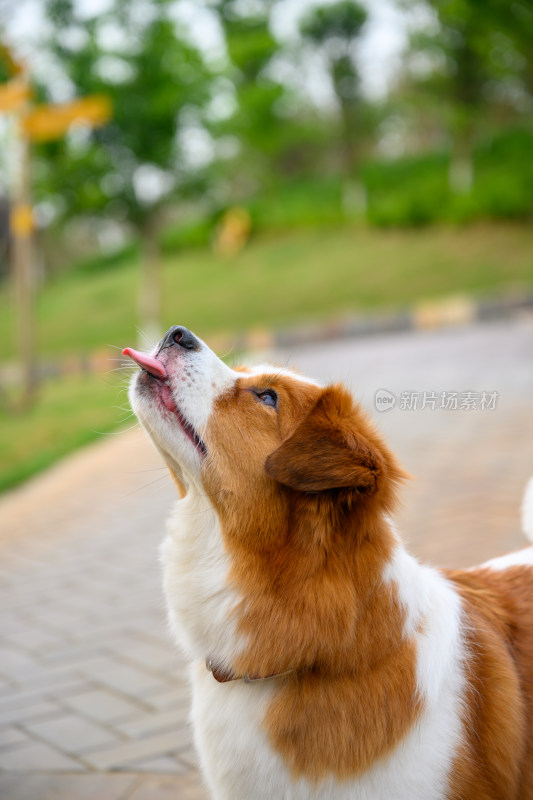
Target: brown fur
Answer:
[[496, 760], [300, 495], [308, 548]]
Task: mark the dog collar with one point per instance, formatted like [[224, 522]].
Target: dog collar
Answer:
[[225, 676]]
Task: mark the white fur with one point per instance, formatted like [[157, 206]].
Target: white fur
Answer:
[[268, 369], [524, 556], [527, 511], [195, 580], [196, 378]]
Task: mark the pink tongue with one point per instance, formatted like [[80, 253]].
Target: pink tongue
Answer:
[[151, 365]]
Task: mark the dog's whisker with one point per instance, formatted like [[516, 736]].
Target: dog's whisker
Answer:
[[148, 485], [117, 433]]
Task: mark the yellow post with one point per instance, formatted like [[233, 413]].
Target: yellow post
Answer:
[[23, 266], [34, 123]]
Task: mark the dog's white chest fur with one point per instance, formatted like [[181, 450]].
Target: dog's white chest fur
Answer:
[[195, 581], [239, 763]]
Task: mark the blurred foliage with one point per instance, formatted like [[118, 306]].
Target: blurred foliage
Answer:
[[132, 167], [415, 191], [104, 262], [280, 278], [475, 75], [460, 113], [274, 133], [336, 29], [195, 233]]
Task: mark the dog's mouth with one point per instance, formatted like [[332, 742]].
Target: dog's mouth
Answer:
[[153, 367]]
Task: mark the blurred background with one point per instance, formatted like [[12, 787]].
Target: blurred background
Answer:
[[241, 167]]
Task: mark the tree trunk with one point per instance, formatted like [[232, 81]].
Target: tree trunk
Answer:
[[461, 169], [354, 199], [23, 271]]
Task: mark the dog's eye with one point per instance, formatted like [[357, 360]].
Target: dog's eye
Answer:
[[268, 398]]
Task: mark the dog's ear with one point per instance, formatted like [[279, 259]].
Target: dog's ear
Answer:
[[333, 447]]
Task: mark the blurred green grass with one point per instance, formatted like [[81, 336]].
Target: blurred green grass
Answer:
[[279, 280], [308, 274], [69, 413]]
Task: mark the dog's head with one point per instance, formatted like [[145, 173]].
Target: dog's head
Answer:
[[252, 438], [298, 482]]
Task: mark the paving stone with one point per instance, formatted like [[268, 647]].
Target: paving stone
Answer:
[[72, 734], [186, 787], [165, 764], [47, 684], [149, 655], [5, 689], [123, 678], [10, 622], [36, 757], [72, 654], [140, 749], [103, 705], [30, 712], [179, 696], [11, 736], [33, 639], [189, 757], [13, 662], [151, 723], [36, 674], [39, 690], [66, 787]]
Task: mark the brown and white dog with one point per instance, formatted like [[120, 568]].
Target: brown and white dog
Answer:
[[337, 665]]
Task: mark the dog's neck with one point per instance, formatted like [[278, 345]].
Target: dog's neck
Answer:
[[295, 607]]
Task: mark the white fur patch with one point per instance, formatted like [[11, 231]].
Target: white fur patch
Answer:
[[524, 557], [433, 620], [527, 511], [280, 372], [195, 580]]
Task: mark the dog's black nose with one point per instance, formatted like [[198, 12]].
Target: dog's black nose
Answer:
[[182, 337]]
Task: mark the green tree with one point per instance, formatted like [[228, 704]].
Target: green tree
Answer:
[[512, 24], [277, 134], [470, 56], [254, 123], [336, 30], [133, 167]]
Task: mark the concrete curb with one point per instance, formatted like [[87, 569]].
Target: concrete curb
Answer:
[[451, 311]]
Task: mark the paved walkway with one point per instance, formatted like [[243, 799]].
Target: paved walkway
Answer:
[[93, 697]]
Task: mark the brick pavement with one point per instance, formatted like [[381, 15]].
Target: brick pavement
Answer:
[[93, 696]]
